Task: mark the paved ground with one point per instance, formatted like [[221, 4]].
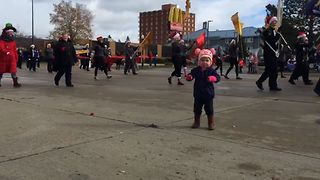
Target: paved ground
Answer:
[[47, 132]]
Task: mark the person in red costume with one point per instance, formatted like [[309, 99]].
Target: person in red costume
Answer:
[[203, 89], [8, 54]]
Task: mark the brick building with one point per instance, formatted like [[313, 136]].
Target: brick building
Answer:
[[157, 22]]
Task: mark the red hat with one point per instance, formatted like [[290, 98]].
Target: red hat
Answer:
[[301, 35], [176, 37], [99, 37], [271, 19]]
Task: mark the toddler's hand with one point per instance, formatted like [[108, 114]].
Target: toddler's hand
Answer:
[[212, 79], [8, 53], [189, 77]]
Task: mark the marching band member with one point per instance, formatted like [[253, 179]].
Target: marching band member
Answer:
[[270, 55], [302, 57]]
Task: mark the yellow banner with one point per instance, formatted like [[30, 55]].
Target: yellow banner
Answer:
[[147, 40], [236, 23], [188, 6]]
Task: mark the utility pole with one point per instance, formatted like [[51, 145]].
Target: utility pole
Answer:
[[208, 25], [32, 22]]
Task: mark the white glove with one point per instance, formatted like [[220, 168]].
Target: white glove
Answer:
[[8, 53]]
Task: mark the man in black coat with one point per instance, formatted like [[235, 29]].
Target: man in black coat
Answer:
[[302, 58], [129, 52], [65, 58], [270, 55], [100, 54]]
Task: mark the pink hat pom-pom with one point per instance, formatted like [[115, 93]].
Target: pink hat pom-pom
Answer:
[[213, 51], [197, 52]]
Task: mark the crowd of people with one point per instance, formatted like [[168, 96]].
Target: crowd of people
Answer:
[[61, 57]]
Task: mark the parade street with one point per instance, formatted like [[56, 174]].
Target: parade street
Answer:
[[138, 128]]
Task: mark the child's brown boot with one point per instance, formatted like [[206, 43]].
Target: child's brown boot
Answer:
[[196, 123], [211, 123]]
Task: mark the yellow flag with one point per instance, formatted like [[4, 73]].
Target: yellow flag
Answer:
[[236, 23], [188, 6], [241, 29], [147, 40]]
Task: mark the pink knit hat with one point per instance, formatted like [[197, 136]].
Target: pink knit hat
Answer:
[[205, 53]]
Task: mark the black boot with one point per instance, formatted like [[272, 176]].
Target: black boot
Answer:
[[259, 85], [15, 83], [170, 80], [291, 81], [275, 89], [179, 82], [56, 81], [309, 82]]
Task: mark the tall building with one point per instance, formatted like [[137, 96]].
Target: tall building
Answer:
[[157, 22]]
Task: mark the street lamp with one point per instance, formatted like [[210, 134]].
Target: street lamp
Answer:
[[208, 25], [32, 22]]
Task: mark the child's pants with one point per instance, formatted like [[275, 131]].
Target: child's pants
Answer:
[[200, 102]]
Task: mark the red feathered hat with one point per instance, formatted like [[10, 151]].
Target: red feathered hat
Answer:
[[271, 19], [175, 36], [301, 35]]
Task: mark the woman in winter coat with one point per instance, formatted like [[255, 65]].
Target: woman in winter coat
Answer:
[[8, 54]]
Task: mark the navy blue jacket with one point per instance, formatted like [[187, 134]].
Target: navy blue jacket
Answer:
[[202, 88]]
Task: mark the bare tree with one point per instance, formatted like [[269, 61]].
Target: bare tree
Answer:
[[76, 21]]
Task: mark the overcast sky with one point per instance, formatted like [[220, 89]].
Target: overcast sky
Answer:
[[119, 18]]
